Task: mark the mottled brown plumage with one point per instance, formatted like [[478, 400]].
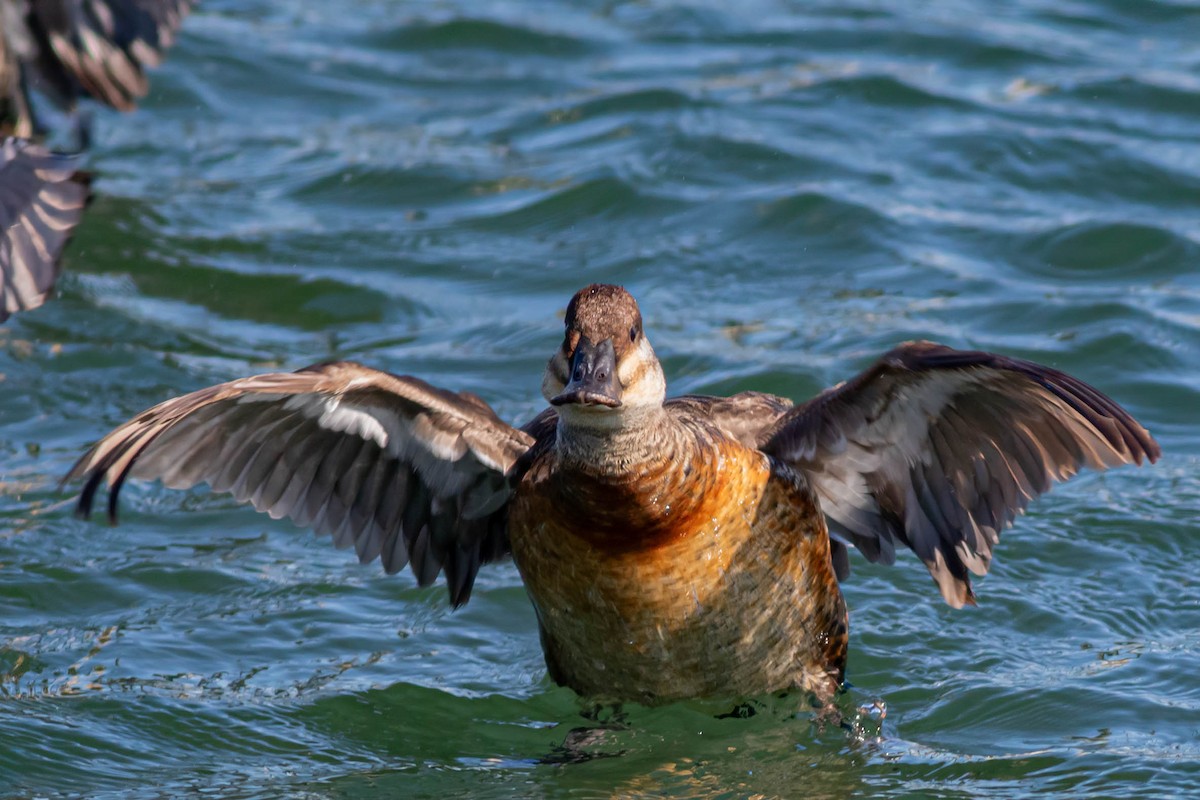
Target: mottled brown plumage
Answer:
[[602, 311], [703, 570], [672, 548]]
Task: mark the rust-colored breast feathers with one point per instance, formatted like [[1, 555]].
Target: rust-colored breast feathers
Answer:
[[698, 576], [658, 502]]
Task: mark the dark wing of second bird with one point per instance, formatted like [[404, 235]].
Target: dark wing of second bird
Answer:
[[68, 49], [72, 49], [42, 197]]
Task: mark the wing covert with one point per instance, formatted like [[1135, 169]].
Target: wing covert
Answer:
[[746, 416]]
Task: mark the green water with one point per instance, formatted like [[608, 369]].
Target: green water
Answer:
[[789, 190]]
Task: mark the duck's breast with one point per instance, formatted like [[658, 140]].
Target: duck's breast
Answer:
[[692, 576]]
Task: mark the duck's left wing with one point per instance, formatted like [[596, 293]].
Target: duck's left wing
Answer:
[[399, 469], [42, 197], [938, 449]]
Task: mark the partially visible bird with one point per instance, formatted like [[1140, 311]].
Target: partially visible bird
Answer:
[[42, 197], [63, 50]]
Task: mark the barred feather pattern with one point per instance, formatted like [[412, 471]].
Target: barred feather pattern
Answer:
[[42, 198], [396, 468]]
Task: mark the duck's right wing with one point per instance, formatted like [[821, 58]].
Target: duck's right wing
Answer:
[[400, 469], [42, 197], [938, 450]]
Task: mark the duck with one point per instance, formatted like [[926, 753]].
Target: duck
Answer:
[[671, 548], [67, 52]]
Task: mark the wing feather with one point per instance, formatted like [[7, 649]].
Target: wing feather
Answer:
[[42, 198], [939, 449], [100, 48], [747, 416], [389, 465]]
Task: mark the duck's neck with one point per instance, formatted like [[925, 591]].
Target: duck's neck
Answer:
[[619, 447], [633, 487]]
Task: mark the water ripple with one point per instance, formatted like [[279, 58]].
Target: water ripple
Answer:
[[789, 191]]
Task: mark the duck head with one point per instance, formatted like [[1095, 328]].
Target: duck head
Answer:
[[605, 374]]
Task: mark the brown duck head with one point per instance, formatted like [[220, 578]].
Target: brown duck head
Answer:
[[605, 374]]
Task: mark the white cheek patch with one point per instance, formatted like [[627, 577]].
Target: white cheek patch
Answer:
[[559, 367], [647, 388], [552, 384], [630, 365]]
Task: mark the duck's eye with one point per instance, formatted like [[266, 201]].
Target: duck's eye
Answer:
[[633, 333]]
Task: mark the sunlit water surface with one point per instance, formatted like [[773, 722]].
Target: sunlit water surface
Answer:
[[789, 190]]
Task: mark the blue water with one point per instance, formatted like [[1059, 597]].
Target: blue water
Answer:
[[789, 190]]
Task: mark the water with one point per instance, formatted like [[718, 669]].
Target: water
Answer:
[[789, 190]]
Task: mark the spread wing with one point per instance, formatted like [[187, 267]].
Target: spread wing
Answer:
[[42, 198], [938, 449], [100, 48], [399, 469]]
